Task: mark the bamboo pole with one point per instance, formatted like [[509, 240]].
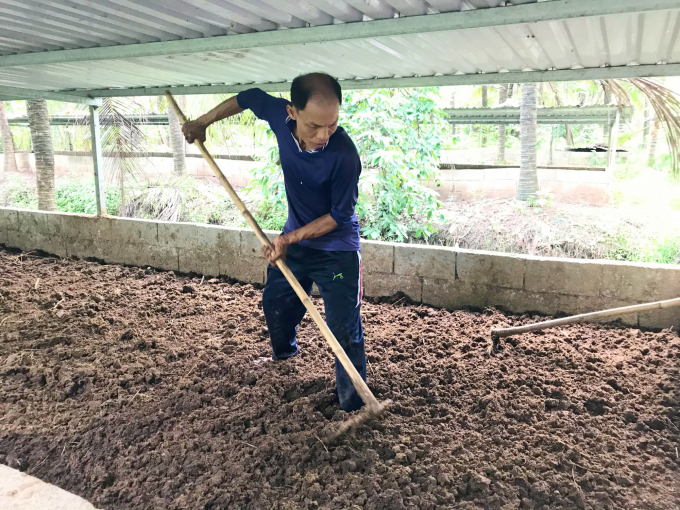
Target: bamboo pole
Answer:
[[360, 385], [496, 334]]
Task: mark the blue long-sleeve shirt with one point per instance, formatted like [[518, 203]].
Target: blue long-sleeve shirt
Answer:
[[320, 182]]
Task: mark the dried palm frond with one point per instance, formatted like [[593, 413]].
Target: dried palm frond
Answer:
[[666, 104], [163, 202], [123, 141], [123, 144]]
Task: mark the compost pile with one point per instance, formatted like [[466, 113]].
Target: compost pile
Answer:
[[141, 389]]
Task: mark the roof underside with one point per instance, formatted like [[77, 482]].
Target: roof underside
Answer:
[[125, 47]]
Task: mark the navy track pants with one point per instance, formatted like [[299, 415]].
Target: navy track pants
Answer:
[[337, 274]]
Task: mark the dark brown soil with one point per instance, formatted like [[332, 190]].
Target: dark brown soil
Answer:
[[137, 389]]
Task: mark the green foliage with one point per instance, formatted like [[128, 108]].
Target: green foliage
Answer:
[[16, 193], [399, 135], [660, 249], [267, 180], [71, 196], [271, 217], [542, 199], [80, 197]]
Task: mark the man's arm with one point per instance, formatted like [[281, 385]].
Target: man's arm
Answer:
[[195, 129], [316, 228]]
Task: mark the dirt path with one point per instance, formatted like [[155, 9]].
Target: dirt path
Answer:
[[141, 390]]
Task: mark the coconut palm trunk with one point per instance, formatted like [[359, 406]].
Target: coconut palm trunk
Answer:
[[177, 139], [528, 175], [606, 131], [502, 131], [39, 124], [453, 105], [653, 142], [10, 160], [485, 104]]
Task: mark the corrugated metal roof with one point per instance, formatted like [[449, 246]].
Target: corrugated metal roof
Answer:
[[33, 29]]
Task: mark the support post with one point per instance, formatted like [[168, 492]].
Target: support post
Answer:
[[613, 142], [98, 160]]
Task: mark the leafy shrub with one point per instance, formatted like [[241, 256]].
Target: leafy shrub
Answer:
[[18, 193], [399, 135], [80, 197]]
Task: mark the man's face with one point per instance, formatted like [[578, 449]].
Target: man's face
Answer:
[[316, 123]]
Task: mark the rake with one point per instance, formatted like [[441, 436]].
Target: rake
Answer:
[[373, 408]]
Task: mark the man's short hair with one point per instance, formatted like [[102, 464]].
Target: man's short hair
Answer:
[[307, 86]]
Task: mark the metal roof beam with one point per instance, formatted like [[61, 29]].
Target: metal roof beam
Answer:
[[598, 114], [501, 16], [599, 73], [18, 94], [84, 120]]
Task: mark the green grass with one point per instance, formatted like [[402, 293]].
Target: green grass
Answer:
[[661, 250]]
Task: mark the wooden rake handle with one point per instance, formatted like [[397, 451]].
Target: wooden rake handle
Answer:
[[359, 384], [656, 305]]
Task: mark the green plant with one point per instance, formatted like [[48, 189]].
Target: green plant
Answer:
[[267, 180], [663, 250], [542, 199], [270, 217], [399, 135], [18, 193], [80, 197]]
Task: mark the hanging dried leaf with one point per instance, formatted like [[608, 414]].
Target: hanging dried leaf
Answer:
[[666, 104]]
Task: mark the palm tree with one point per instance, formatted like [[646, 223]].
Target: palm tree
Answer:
[[41, 138], [10, 164], [653, 142], [528, 177], [453, 105], [485, 104], [502, 132], [124, 144], [177, 138]]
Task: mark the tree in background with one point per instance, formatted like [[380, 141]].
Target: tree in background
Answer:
[[453, 105], [528, 176], [485, 104], [10, 161], [502, 131], [653, 141], [606, 127], [177, 138], [39, 124]]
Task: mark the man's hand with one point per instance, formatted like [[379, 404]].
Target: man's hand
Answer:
[[194, 130], [279, 252]]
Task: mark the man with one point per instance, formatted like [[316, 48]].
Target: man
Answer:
[[320, 240]]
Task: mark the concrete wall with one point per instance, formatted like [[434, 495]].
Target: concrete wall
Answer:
[[560, 157], [438, 276], [80, 167], [567, 185], [592, 186]]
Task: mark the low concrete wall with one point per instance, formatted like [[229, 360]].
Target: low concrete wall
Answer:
[[438, 276], [591, 186], [80, 166]]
